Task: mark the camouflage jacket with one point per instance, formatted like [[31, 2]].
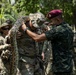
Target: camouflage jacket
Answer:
[[46, 46], [27, 46], [61, 37], [3, 44]]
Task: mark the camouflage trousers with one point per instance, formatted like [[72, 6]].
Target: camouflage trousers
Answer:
[[27, 66], [4, 67], [63, 73], [48, 70], [48, 62]]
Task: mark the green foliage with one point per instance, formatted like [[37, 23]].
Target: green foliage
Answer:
[[7, 11], [29, 6], [25, 7]]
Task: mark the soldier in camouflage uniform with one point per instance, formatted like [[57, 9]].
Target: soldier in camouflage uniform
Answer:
[[29, 58], [4, 49], [47, 50], [61, 36]]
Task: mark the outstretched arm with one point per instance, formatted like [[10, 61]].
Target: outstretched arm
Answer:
[[35, 36]]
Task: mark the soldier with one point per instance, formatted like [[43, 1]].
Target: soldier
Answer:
[[29, 58], [47, 50], [61, 37], [4, 48], [29, 52]]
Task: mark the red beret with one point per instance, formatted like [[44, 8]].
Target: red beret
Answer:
[[54, 13]]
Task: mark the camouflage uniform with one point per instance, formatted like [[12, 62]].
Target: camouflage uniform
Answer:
[[47, 50], [4, 52], [4, 64], [29, 58], [28, 61], [2, 47], [48, 56], [61, 37]]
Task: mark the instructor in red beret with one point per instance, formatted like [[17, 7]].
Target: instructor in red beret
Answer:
[[61, 37]]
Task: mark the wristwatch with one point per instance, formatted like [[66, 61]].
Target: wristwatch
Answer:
[[26, 29]]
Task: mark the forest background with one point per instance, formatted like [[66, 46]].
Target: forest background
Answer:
[[12, 9]]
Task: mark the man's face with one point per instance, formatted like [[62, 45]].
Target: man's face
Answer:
[[5, 30], [53, 21], [56, 20]]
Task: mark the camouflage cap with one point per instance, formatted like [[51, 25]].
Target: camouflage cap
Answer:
[[37, 19]]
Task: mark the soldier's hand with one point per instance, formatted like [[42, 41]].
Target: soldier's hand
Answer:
[[23, 26], [42, 56]]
